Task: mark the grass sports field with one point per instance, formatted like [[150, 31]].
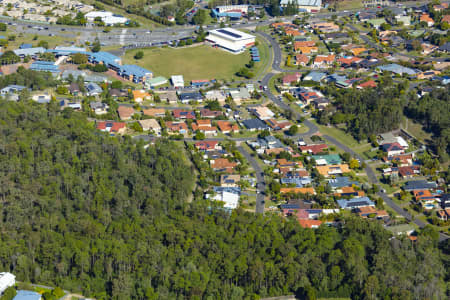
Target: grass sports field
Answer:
[[197, 62]]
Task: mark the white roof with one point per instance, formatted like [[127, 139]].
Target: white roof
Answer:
[[303, 2], [177, 80], [101, 14], [231, 34], [6, 280], [230, 200], [114, 20], [402, 141], [70, 48]]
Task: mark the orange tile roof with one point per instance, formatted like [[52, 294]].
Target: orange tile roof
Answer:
[[358, 51], [154, 112], [422, 194], [125, 112], [140, 94], [309, 223], [303, 190], [223, 163], [426, 18], [325, 170]]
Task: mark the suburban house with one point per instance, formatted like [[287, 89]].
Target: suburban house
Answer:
[[223, 165], [141, 95], [310, 223], [227, 127], [93, 89], [207, 145], [27, 295], [330, 170], [262, 112], [74, 89], [255, 124], [183, 114], [170, 97], [125, 112], [210, 114], [392, 149], [154, 112], [314, 149], [296, 190], [113, 127], [186, 97], [368, 211], [291, 78], [301, 60], [99, 108], [323, 61], [355, 203], [328, 159], [150, 125], [6, 280], [204, 126], [230, 180], [411, 186], [427, 19], [176, 127]]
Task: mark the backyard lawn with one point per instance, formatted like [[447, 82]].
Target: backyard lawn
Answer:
[[197, 62]]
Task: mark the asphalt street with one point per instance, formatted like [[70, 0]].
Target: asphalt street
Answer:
[[260, 180]]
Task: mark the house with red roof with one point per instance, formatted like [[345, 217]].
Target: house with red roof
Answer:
[[110, 126], [291, 78], [314, 149], [367, 84], [183, 114], [176, 127], [227, 127], [305, 223], [347, 62], [323, 61], [210, 114], [207, 145], [301, 60], [393, 149]]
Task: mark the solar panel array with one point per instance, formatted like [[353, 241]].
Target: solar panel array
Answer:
[[232, 34]]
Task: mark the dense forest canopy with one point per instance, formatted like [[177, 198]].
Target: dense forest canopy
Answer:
[[110, 218], [369, 111], [433, 112]]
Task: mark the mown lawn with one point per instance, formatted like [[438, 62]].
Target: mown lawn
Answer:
[[198, 62]]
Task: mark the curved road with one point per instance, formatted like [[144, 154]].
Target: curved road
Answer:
[[313, 129]]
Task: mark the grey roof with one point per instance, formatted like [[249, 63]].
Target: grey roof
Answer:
[[302, 2], [419, 185], [97, 105], [13, 88], [355, 202], [341, 181], [93, 88], [445, 47], [398, 69], [315, 76], [29, 51], [255, 124]]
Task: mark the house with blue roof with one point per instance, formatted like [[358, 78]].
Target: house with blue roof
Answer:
[[45, 66], [25, 46], [340, 182], [397, 69], [27, 295], [355, 203], [33, 52]]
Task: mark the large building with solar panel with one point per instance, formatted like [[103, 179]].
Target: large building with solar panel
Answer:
[[231, 40]]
